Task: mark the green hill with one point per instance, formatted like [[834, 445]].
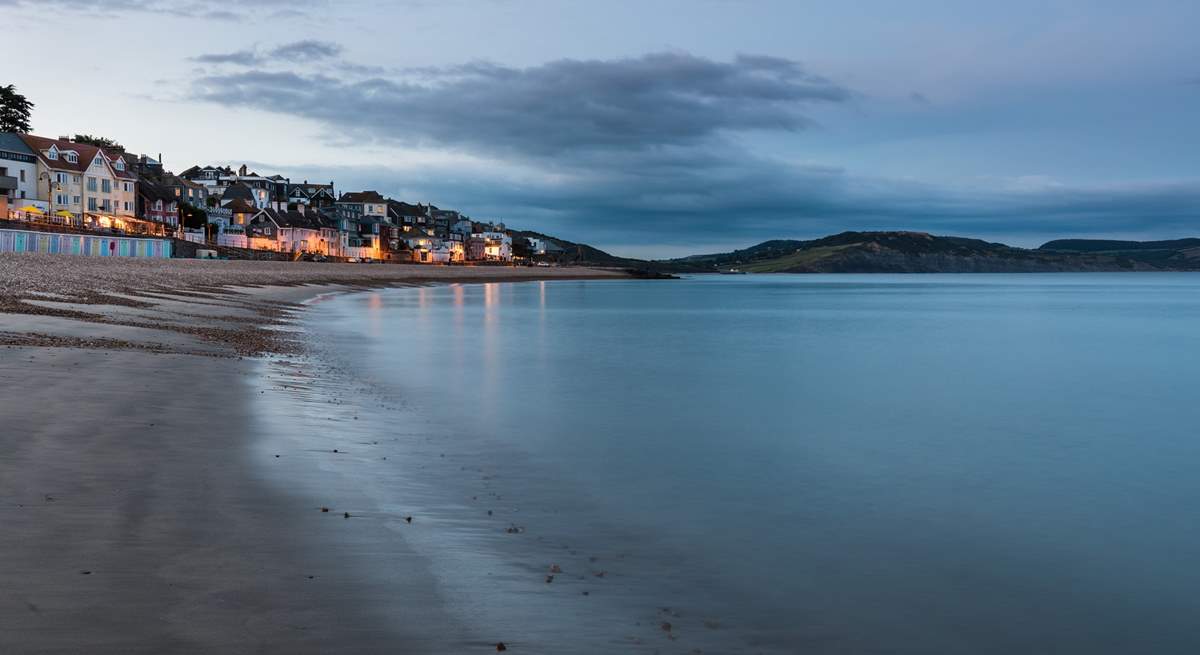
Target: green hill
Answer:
[[919, 252]]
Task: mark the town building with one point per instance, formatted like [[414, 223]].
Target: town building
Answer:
[[264, 192], [403, 214], [157, 203], [18, 175], [297, 231], [87, 184], [186, 191], [312, 195], [490, 246], [356, 205]]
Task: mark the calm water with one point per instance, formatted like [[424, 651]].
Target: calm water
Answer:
[[817, 464]]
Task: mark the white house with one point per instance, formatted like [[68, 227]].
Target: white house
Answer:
[[18, 173]]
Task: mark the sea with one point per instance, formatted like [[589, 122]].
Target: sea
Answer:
[[894, 464]]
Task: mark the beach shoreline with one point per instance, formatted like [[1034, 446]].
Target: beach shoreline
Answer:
[[132, 488]]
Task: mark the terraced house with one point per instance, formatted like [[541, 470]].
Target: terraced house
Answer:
[[86, 184]]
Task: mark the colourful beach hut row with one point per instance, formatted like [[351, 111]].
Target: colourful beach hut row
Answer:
[[82, 244]]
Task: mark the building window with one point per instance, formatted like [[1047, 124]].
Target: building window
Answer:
[[105, 186], [22, 174], [91, 204], [52, 154], [75, 200], [72, 157], [60, 178], [91, 185], [75, 179], [97, 161]]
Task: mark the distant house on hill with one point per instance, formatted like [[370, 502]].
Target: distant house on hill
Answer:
[[186, 191], [264, 191], [402, 214], [312, 195], [355, 205]]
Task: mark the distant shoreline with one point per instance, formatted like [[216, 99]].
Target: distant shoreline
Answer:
[[181, 306]]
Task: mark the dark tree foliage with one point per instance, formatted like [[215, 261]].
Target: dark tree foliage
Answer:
[[193, 217], [14, 110], [99, 142]]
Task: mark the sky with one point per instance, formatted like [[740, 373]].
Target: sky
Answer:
[[657, 128]]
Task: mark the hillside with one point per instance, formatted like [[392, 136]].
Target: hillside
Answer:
[[918, 252], [1177, 254], [581, 254]]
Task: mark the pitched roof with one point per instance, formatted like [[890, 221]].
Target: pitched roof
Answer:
[[291, 219], [405, 209], [240, 206], [170, 179], [238, 191], [87, 154], [13, 143], [40, 143], [362, 196], [155, 191]]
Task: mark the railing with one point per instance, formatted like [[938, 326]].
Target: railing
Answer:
[[36, 218], [91, 224]]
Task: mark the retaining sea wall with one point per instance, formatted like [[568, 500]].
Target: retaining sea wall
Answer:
[[82, 244]]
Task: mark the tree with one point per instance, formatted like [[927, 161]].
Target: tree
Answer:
[[14, 110], [99, 142], [193, 217]]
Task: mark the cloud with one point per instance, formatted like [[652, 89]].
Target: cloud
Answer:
[[307, 51], [647, 156], [228, 9], [239, 57], [657, 99], [678, 201]]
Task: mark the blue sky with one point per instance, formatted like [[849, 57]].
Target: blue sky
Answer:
[[659, 128]]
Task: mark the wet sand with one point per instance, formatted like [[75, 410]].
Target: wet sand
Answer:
[[135, 522], [136, 517]]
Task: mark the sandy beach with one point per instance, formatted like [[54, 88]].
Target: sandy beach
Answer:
[[135, 519]]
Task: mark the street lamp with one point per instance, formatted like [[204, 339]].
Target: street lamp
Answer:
[[51, 187]]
